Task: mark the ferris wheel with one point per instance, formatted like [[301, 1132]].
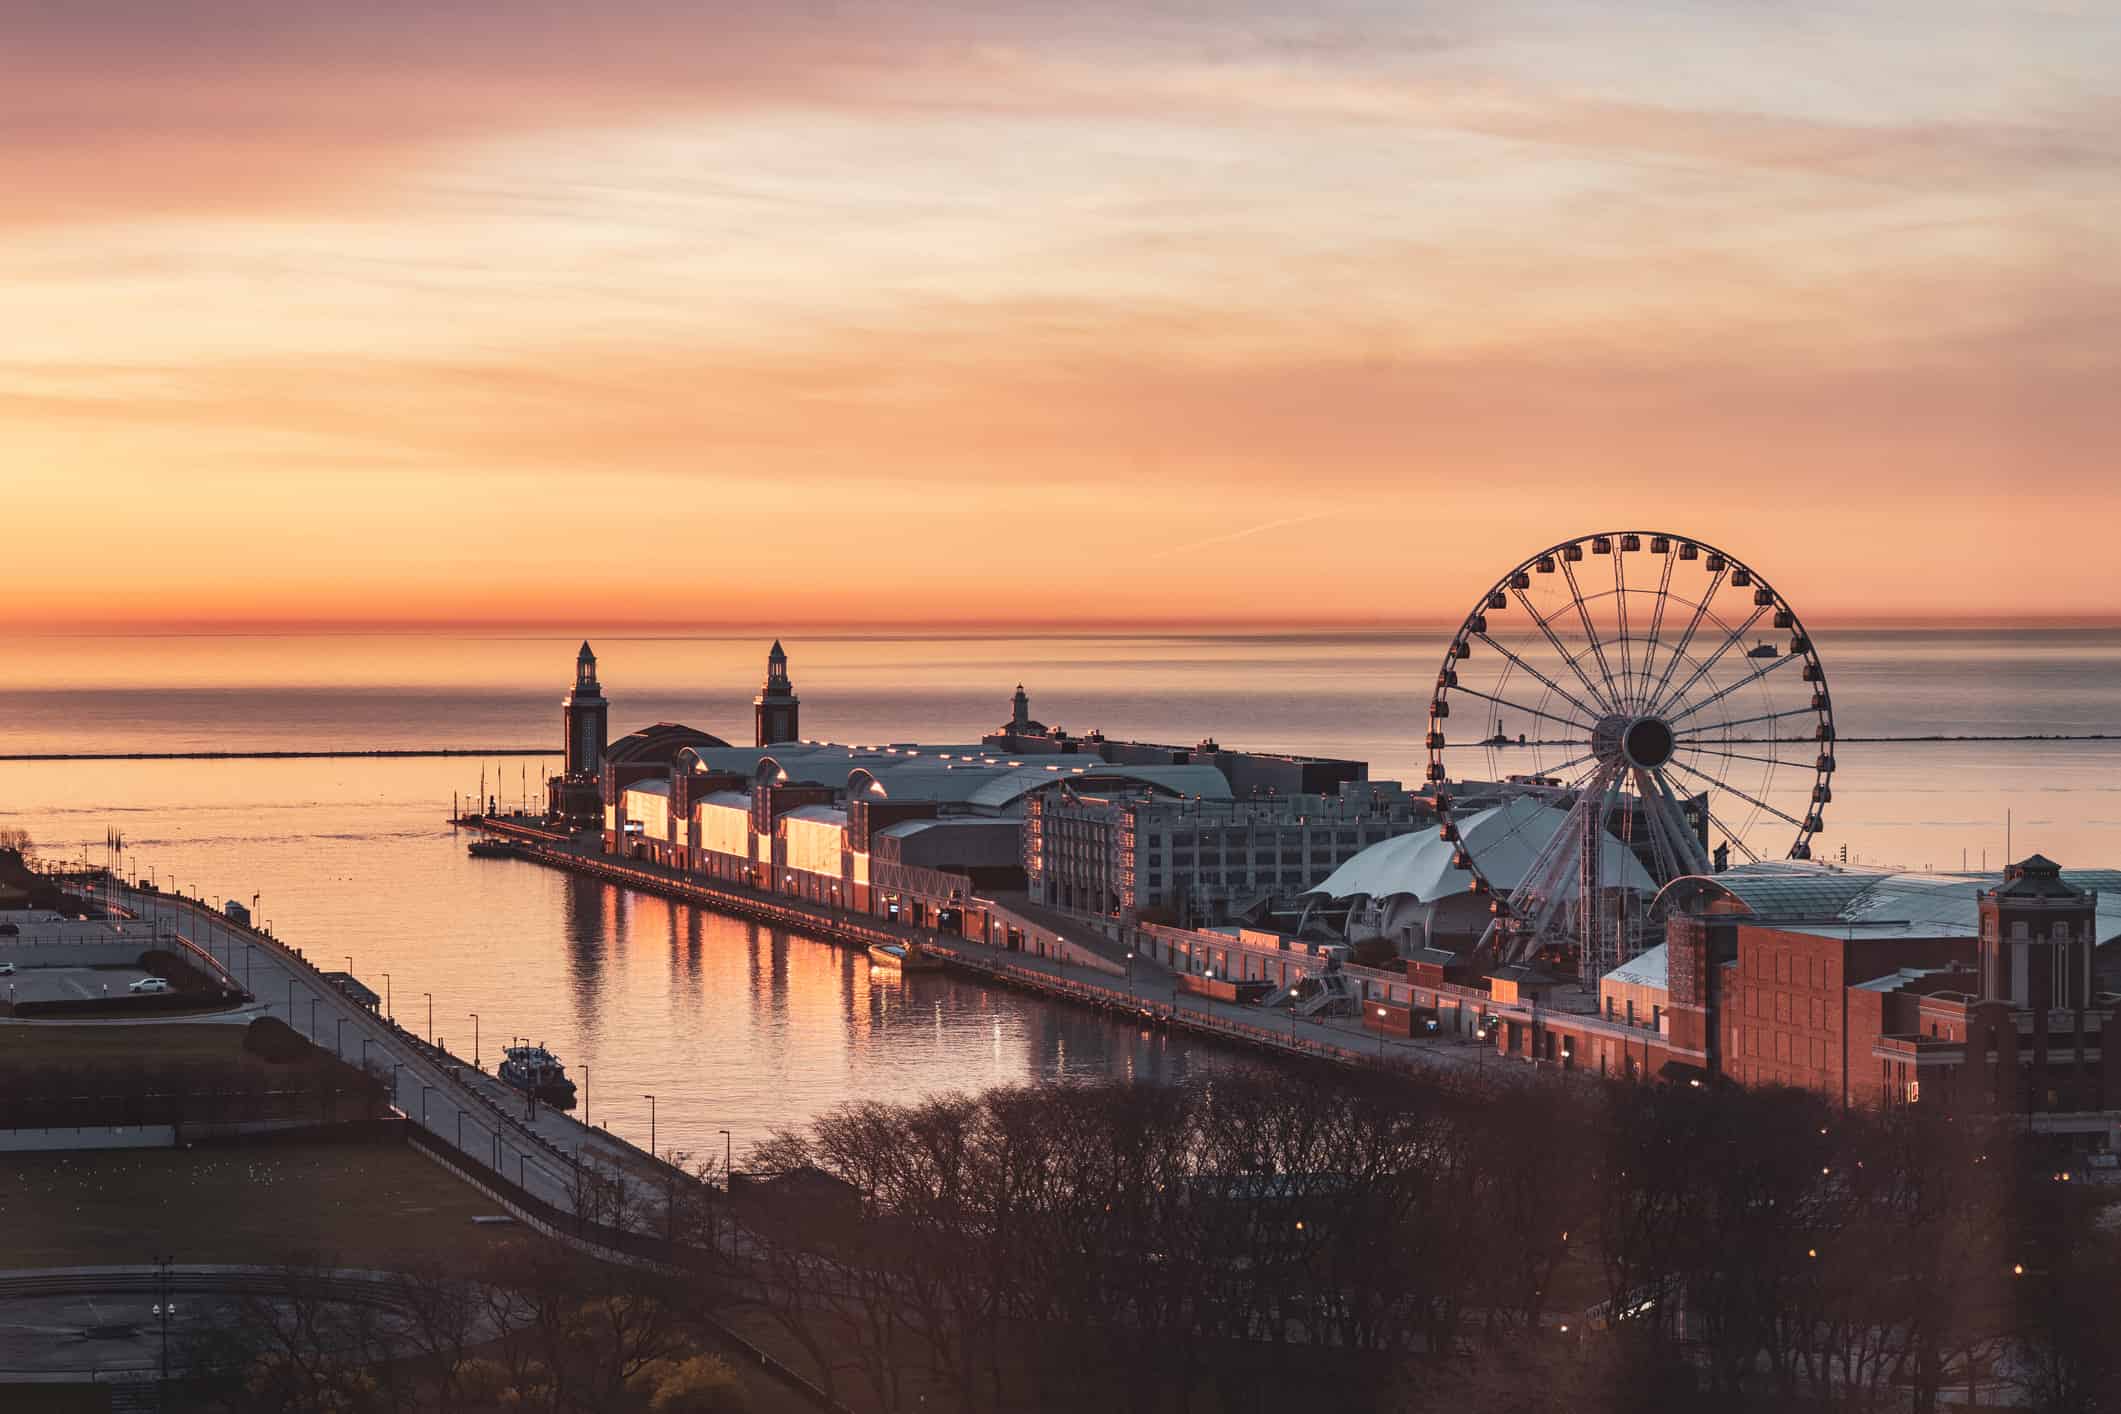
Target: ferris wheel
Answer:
[[1618, 711]]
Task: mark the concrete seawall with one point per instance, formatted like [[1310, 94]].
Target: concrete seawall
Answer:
[[1147, 991]]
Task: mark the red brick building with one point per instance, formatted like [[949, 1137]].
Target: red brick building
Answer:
[[1794, 975]]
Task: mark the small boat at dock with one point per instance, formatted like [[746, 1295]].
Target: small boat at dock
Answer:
[[492, 849], [904, 957], [538, 1073]]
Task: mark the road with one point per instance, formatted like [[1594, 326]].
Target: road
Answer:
[[470, 1111]]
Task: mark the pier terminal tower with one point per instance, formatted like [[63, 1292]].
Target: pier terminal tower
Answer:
[[585, 726], [776, 708]]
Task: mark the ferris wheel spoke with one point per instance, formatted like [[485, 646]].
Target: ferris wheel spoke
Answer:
[[1749, 721], [1591, 714], [1583, 614], [1620, 615], [1754, 676], [1664, 593], [1743, 755], [1701, 669], [1737, 840], [1678, 652], [1572, 723], [1733, 790]]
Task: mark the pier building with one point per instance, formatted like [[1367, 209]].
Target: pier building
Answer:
[[1135, 854]]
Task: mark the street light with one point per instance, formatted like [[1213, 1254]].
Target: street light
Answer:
[[430, 1018], [1380, 1033], [585, 1094], [387, 1014], [651, 1124], [425, 1090], [728, 1163], [475, 1042], [164, 1309]]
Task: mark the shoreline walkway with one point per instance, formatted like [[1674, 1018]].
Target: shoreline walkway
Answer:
[[1146, 989], [458, 1104]]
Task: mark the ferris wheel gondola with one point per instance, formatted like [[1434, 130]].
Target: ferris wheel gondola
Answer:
[[1626, 682]]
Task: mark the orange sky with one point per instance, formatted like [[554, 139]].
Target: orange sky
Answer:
[[661, 312]]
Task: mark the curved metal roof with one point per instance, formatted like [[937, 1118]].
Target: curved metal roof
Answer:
[[1505, 839], [1792, 891]]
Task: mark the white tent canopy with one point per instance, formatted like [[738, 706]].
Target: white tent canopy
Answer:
[[1505, 839]]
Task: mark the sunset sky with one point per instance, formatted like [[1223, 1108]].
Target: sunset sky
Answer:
[[666, 311]]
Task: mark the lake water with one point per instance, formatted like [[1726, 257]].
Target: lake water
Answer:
[[740, 1028]]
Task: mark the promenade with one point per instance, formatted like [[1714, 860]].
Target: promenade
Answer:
[[459, 1105], [1135, 987]]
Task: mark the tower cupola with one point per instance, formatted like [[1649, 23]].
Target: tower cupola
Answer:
[[776, 711], [585, 719]]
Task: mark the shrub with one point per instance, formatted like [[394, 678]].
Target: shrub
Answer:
[[705, 1384]]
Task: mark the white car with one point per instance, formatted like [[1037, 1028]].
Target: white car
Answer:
[[7, 969], [151, 984]]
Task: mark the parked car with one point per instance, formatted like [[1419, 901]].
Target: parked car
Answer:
[[7, 969], [151, 984]]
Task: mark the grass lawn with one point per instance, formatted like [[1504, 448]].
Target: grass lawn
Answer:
[[50, 1042], [363, 1204]]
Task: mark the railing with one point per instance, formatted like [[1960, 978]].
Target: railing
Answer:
[[613, 1242]]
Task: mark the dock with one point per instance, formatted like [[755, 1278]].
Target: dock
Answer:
[[1140, 990]]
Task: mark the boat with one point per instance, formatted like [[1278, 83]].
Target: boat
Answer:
[[492, 849], [1763, 650], [538, 1073], [906, 957]]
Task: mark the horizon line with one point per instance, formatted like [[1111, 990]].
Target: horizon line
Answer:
[[966, 627]]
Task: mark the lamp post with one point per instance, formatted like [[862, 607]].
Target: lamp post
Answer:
[[430, 1018], [475, 1042], [585, 1094], [164, 1309], [425, 1091], [651, 1124], [290, 1001], [388, 1015], [312, 1019], [728, 1161], [1380, 1033]]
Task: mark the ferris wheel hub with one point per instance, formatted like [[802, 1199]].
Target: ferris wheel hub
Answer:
[[1644, 742]]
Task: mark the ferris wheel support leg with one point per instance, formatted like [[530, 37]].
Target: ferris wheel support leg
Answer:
[[1691, 853], [1667, 852], [1540, 895], [1597, 948]]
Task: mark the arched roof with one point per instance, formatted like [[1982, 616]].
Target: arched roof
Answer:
[[1795, 891], [661, 742], [1505, 839]]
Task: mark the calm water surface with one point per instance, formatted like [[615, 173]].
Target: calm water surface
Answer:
[[741, 1028]]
